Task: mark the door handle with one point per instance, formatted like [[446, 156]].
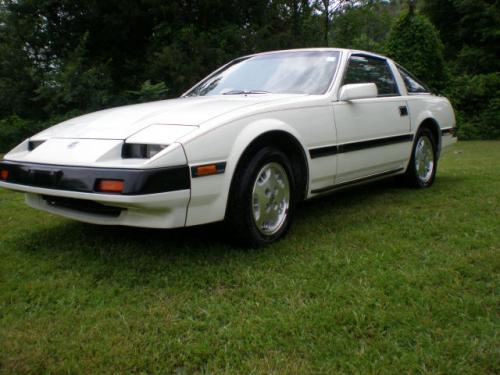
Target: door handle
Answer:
[[403, 110]]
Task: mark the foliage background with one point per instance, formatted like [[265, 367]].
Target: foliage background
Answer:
[[60, 58]]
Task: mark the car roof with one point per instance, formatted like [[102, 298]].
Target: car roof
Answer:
[[319, 49]]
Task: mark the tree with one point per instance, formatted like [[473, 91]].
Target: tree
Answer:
[[328, 8], [66, 56], [363, 27], [470, 28], [414, 42]]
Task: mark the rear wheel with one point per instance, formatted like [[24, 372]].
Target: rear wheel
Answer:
[[262, 199], [423, 164]]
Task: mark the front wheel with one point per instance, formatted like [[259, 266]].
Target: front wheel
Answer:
[[262, 199], [423, 164]]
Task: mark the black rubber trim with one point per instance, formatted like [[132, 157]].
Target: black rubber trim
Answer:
[[452, 131], [323, 151], [356, 146], [34, 144], [355, 182], [220, 168], [83, 179], [83, 205]]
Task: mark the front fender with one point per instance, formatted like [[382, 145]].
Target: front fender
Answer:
[[253, 131], [209, 194]]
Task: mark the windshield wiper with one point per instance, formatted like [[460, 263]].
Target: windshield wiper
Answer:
[[243, 92]]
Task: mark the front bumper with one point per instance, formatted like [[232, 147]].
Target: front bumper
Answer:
[[84, 179], [154, 198], [448, 138]]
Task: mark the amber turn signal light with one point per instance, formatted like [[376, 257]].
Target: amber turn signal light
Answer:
[[110, 186], [206, 170], [4, 174]]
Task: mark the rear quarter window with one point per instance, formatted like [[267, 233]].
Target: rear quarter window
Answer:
[[413, 85]]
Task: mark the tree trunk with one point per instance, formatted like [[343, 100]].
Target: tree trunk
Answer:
[[326, 5], [411, 6]]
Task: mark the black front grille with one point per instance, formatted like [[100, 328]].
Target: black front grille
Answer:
[[82, 205], [61, 177]]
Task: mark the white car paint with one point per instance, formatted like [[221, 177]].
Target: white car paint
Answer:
[[213, 129]]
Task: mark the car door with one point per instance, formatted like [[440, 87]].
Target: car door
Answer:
[[373, 134]]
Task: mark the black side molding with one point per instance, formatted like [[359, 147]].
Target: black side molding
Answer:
[[83, 179], [323, 151], [355, 182], [356, 146]]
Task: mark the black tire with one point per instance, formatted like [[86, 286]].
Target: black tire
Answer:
[[412, 176], [240, 217]]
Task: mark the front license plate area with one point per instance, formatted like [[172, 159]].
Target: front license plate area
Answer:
[[49, 178]]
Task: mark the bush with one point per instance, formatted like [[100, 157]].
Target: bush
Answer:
[[149, 92], [13, 130], [75, 85], [414, 43], [476, 100]]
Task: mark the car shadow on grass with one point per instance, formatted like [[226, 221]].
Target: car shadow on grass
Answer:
[[208, 244]]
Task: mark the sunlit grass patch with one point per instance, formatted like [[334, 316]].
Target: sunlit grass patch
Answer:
[[380, 279]]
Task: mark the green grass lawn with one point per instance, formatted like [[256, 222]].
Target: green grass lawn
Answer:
[[376, 280]]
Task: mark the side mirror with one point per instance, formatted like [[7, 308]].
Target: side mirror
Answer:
[[358, 91]]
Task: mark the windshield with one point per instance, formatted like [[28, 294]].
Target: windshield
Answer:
[[304, 72]]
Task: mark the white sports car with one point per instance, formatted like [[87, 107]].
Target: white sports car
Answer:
[[244, 145]]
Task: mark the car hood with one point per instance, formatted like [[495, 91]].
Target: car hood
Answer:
[[123, 122]]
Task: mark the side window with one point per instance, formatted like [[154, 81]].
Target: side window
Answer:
[[365, 69], [413, 86]]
